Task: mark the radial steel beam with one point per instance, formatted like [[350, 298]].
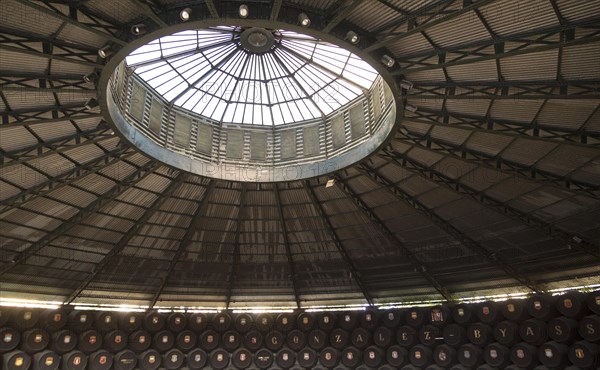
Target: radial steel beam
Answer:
[[59, 145], [436, 21], [431, 9], [391, 236], [186, 240], [224, 60], [36, 111], [40, 76], [590, 247], [533, 129], [354, 273], [69, 117], [236, 249], [319, 66], [44, 90], [73, 22], [515, 90], [341, 14], [467, 56], [286, 242], [212, 8], [497, 162], [144, 8], [130, 234], [452, 230], [104, 199], [275, 9], [23, 38], [49, 56], [63, 179]]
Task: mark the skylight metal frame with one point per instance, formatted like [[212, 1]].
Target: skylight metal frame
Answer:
[[209, 72]]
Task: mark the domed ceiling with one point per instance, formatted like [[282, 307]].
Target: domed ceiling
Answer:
[[488, 184]]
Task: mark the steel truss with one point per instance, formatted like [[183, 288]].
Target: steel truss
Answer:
[[497, 162], [104, 199], [391, 236], [354, 273], [409, 164], [457, 234], [533, 129]]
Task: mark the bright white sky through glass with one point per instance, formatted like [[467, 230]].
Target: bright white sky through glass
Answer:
[[209, 72]]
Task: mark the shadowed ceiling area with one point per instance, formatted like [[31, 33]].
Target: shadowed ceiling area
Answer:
[[490, 184]]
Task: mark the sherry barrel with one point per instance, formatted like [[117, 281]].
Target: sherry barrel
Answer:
[[35, 340], [396, 356], [16, 360], [496, 355], [572, 304], [329, 357], [553, 354], [420, 355], [584, 355], [74, 360], [445, 356], [154, 321], [524, 355], [125, 360], [286, 358], [106, 321], [100, 360], [9, 339], [115, 341], [562, 329], [176, 322], [53, 320], [45, 360], [589, 328], [506, 333]]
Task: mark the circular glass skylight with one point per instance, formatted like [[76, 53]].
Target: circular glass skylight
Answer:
[[249, 103], [253, 75]]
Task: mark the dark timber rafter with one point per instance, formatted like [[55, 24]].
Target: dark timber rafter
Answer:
[[354, 273], [102, 200], [186, 240], [132, 232], [286, 242], [418, 265], [236, 248], [448, 227], [409, 164]]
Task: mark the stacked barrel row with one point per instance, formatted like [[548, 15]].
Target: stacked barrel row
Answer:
[[540, 332]]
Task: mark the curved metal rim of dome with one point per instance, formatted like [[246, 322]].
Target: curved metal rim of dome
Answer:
[[119, 55]]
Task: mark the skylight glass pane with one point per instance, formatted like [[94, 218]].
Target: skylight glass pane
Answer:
[[211, 73]]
